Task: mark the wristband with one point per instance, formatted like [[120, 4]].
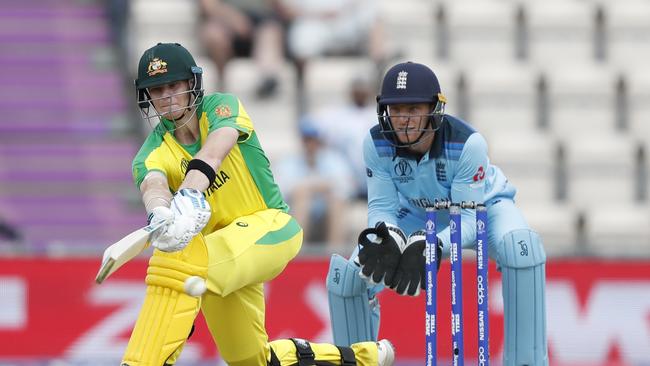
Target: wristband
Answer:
[[203, 167]]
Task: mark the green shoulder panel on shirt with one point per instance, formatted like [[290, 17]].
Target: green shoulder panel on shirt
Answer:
[[139, 166], [260, 169], [225, 110]]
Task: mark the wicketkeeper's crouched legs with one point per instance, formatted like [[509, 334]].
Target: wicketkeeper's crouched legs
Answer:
[[168, 313], [522, 263], [354, 309]]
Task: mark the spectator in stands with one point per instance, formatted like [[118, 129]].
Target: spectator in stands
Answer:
[[339, 27], [345, 126], [8, 232], [317, 185], [238, 28]]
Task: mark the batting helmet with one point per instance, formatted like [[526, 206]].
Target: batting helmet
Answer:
[[410, 83], [166, 63]]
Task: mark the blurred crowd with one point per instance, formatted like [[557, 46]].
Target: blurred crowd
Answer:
[[307, 72], [328, 176]]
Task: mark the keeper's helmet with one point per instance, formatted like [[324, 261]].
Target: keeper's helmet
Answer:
[[166, 63], [410, 83]]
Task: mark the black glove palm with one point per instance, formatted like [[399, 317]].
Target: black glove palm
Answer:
[[379, 259], [410, 274]]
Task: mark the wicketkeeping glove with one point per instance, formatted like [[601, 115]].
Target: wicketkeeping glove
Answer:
[[191, 213], [379, 258], [410, 275]]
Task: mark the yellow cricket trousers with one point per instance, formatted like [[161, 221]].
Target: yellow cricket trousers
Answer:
[[235, 261]]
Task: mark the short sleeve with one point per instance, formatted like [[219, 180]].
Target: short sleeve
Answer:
[[226, 110], [148, 159]]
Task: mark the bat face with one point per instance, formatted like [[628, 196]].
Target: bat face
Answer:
[[125, 250]]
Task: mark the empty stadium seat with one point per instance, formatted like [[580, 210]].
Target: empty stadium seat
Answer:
[[581, 99], [601, 170], [484, 28], [638, 80], [408, 26], [628, 31], [618, 230], [559, 30], [502, 97], [528, 160]]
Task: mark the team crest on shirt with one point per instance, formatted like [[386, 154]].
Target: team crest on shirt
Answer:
[[441, 170], [156, 66], [223, 111]]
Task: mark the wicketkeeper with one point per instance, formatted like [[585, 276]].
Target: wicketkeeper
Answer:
[[416, 155], [204, 174]]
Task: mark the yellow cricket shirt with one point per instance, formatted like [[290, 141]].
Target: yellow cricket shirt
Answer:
[[244, 182]]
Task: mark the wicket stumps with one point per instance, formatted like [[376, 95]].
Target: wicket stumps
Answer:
[[456, 257]]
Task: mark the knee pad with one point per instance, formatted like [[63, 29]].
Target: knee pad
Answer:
[[167, 315], [354, 310], [522, 261]]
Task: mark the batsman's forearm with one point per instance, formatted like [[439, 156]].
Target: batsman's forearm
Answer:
[[155, 192], [195, 179], [214, 151]]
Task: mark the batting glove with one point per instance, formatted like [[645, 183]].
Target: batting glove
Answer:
[[160, 215], [192, 204], [191, 212]]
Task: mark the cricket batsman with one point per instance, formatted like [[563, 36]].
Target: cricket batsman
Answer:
[[416, 155], [204, 176]]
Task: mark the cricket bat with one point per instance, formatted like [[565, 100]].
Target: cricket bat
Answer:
[[124, 250]]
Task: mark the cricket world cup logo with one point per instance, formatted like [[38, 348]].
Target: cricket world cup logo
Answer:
[[430, 227], [480, 226]]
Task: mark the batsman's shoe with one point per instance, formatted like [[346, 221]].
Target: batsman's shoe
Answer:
[[386, 353]]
